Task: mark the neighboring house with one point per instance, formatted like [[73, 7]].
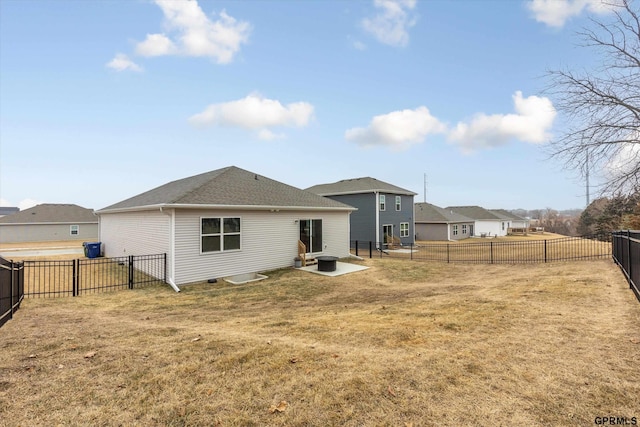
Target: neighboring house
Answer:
[[49, 222], [486, 223], [8, 210], [515, 221], [224, 223], [385, 212], [435, 223]]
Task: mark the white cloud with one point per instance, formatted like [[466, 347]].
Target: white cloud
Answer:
[[398, 129], [255, 113], [625, 160], [391, 23], [555, 13], [195, 34], [531, 123], [121, 62], [156, 45]]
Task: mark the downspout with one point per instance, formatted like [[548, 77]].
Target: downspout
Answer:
[[172, 248]]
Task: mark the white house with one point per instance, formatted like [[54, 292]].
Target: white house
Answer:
[[223, 223], [486, 223]]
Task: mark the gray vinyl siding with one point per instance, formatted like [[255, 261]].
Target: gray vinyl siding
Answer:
[[269, 240], [363, 221], [431, 232], [391, 216], [135, 233], [19, 233]]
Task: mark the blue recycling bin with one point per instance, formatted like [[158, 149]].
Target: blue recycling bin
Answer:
[[91, 249]]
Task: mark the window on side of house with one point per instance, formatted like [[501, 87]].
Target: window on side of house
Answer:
[[455, 229], [398, 203], [464, 229], [219, 234], [503, 226], [74, 230], [383, 202], [404, 229]]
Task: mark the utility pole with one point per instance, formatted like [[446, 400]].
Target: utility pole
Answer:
[[424, 195]]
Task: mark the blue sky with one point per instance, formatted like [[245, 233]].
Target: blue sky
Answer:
[[102, 100]]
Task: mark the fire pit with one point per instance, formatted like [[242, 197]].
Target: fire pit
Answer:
[[327, 263]]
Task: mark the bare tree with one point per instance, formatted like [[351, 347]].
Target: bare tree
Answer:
[[602, 106]]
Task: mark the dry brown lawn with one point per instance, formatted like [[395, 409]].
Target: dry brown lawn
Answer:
[[400, 344]]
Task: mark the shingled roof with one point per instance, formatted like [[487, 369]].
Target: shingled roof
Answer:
[[358, 186], [475, 212], [508, 215], [227, 187], [428, 213], [51, 213]]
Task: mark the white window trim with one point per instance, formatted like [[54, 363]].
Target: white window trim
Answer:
[[406, 232], [221, 234], [71, 228], [398, 203], [382, 202], [455, 229]]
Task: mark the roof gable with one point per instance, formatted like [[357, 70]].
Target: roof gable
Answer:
[[426, 212], [51, 213], [230, 186], [358, 185]]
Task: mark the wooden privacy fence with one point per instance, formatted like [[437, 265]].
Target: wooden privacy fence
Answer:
[[11, 288], [531, 251], [626, 253]]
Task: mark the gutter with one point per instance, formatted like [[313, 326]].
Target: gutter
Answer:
[[173, 285], [226, 207]]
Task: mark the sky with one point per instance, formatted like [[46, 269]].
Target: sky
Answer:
[[103, 100]]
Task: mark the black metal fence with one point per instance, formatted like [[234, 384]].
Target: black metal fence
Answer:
[[46, 279], [11, 288], [490, 252], [626, 253]]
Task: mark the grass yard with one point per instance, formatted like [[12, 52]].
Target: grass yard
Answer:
[[400, 344]]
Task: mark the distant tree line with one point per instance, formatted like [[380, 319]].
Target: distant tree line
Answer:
[[605, 215]]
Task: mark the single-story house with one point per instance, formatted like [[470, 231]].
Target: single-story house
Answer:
[[515, 221], [224, 223], [385, 211], [436, 223], [486, 223], [49, 222]]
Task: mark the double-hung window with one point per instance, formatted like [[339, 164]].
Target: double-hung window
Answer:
[[455, 229], [74, 230], [219, 234], [383, 202], [464, 229], [398, 203], [404, 229]]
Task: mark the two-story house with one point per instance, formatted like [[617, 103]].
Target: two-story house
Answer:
[[385, 212]]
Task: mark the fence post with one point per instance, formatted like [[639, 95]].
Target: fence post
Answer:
[[75, 274], [356, 248], [629, 258], [545, 250], [411, 249], [130, 271], [164, 279], [448, 256], [491, 251], [11, 281], [370, 249]]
